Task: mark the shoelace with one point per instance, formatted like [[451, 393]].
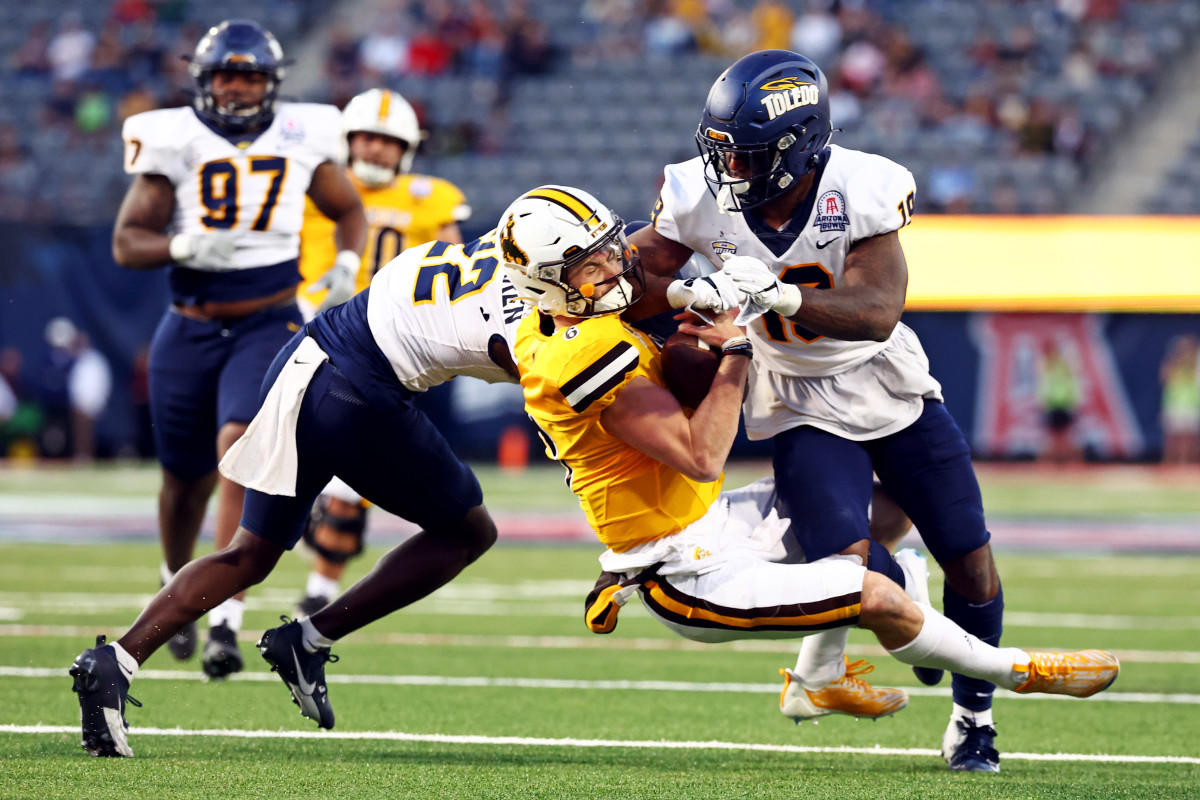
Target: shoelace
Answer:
[[1049, 665], [323, 653], [978, 739], [856, 668]]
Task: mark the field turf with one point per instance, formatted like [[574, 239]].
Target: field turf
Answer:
[[493, 688]]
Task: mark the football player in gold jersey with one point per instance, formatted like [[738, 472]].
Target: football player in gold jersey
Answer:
[[380, 136], [709, 565]]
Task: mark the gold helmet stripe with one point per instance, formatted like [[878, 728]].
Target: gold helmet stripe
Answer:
[[385, 104], [571, 203]]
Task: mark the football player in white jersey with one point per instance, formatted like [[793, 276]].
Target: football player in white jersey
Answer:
[[218, 198], [341, 402], [706, 564], [808, 231]]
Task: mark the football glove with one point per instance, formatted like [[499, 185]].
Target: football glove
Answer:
[[340, 280], [714, 292], [764, 292], [212, 252]]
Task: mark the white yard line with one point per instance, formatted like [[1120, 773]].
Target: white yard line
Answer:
[[489, 682], [529, 741]]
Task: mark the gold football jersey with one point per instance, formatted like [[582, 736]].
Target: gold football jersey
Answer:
[[570, 376], [409, 212]]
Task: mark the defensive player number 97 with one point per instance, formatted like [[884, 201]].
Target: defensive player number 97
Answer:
[[219, 191]]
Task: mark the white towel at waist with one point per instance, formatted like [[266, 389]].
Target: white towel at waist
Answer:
[[264, 458]]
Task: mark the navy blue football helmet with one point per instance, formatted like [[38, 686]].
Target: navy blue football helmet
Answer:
[[242, 46], [765, 124]]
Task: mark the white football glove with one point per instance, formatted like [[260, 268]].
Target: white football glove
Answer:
[[713, 291], [764, 292], [212, 252], [340, 280]]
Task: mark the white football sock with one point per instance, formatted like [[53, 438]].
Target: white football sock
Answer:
[[977, 718], [321, 586], [821, 660], [942, 644], [228, 614], [127, 662], [313, 639]]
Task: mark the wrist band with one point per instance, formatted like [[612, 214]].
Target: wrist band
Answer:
[[738, 346]]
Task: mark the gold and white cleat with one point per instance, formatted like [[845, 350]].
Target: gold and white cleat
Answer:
[[849, 695], [1079, 673]]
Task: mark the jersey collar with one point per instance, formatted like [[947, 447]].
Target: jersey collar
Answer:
[[779, 242]]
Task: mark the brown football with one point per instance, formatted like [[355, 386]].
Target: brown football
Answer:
[[689, 366]]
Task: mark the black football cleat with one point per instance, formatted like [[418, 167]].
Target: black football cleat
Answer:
[[311, 604], [103, 688], [221, 656], [303, 672], [183, 644], [970, 748]]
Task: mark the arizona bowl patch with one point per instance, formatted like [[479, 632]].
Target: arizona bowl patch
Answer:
[[831, 212]]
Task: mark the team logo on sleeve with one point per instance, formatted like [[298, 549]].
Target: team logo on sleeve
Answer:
[[831, 212], [724, 249]]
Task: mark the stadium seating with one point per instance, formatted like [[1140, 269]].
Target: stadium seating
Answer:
[[610, 124]]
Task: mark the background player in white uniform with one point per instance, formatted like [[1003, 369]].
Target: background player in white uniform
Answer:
[[808, 231], [648, 474], [228, 178], [340, 402], [380, 135]]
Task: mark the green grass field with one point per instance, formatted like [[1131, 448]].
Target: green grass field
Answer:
[[493, 688]]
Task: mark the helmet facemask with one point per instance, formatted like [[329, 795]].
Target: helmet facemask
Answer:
[[743, 177], [237, 46]]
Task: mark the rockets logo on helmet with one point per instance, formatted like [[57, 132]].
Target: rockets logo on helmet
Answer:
[[765, 124]]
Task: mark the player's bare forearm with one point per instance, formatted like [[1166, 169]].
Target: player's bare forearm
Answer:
[[139, 241], [659, 255], [335, 197], [714, 425], [870, 300]]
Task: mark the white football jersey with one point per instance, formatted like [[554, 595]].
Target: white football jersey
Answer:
[[859, 195], [256, 187], [435, 308]]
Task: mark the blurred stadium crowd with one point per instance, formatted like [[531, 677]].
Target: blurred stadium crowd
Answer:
[[996, 106]]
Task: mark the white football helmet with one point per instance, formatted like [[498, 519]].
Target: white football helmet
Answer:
[[551, 228], [385, 112]]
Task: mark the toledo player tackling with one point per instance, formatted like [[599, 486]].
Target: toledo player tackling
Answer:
[[708, 565], [228, 178], [380, 136], [340, 403], [807, 230]]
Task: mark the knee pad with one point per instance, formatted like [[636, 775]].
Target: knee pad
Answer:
[[353, 526], [880, 560]]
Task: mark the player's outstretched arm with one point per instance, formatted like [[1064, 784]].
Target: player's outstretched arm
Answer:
[[139, 241], [659, 255], [649, 418]]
